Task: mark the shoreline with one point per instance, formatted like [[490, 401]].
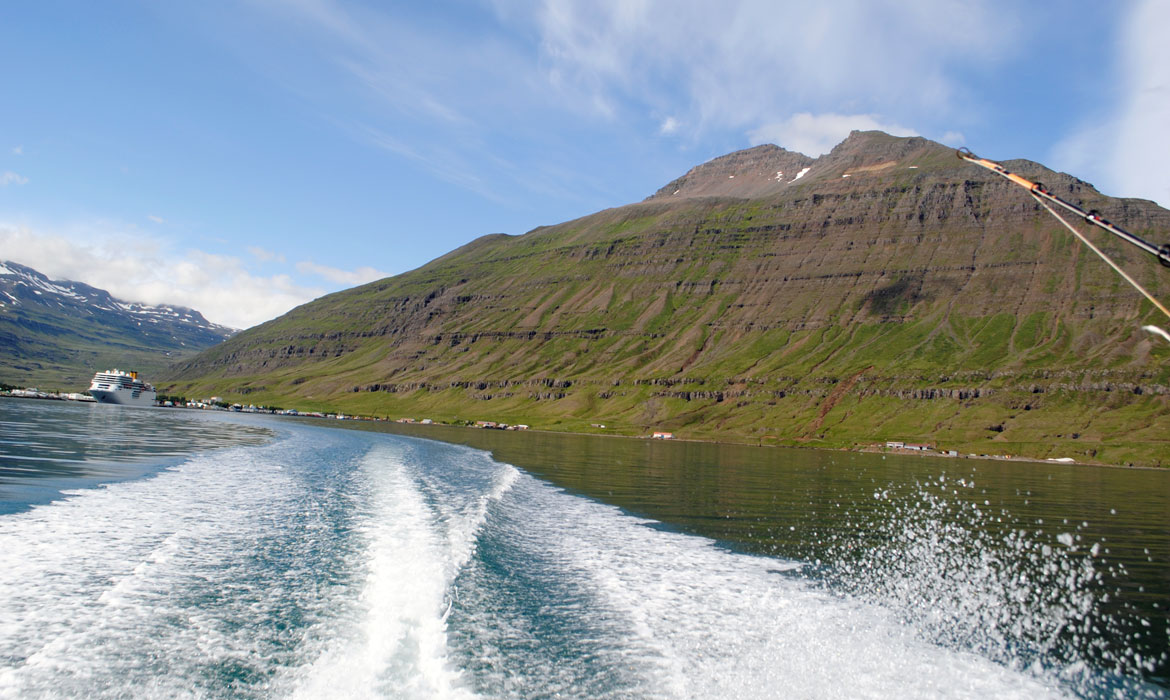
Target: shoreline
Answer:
[[858, 450], [871, 449]]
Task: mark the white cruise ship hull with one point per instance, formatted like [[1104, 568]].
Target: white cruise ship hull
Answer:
[[122, 388], [125, 397]]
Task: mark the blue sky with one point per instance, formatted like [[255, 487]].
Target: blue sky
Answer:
[[244, 157]]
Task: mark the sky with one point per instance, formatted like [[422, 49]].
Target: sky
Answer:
[[243, 157]]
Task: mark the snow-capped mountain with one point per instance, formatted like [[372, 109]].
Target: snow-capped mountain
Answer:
[[57, 326]]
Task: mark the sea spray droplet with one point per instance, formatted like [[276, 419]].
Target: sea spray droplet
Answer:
[[941, 565]]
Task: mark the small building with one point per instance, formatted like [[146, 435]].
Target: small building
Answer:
[[895, 444], [919, 448], [660, 435]]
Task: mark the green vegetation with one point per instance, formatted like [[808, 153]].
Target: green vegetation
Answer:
[[58, 340], [925, 305]]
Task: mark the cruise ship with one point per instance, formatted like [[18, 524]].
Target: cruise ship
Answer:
[[116, 386]]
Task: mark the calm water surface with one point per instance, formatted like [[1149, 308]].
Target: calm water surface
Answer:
[[47, 446], [176, 553]]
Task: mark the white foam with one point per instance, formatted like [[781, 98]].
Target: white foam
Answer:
[[397, 642], [94, 585], [310, 573], [699, 621]]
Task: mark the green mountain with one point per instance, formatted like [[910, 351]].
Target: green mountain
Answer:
[[884, 291], [56, 334]]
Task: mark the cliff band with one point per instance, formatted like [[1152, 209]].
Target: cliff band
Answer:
[[886, 290]]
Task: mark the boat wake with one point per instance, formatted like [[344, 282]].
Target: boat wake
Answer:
[[334, 563]]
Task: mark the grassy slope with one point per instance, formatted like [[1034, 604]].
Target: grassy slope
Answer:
[[53, 354], [742, 320]]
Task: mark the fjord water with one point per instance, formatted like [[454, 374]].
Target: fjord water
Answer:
[[305, 561]]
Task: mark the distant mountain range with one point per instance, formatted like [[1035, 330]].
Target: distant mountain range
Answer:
[[58, 333], [884, 291]]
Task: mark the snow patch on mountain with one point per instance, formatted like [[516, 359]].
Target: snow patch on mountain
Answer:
[[14, 276]]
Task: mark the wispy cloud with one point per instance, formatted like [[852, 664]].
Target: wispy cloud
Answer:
[[10, 178], [742, 63], [1127, 148], [427, 72], [350, 278], [954, 138], [265, 255], [18, 150], [449, 164], [1142, 151], [816, 134], [219, 286], [156, 219], [453, 99]]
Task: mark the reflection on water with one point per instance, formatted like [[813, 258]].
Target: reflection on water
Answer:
[[1052, 563], [47, 446]]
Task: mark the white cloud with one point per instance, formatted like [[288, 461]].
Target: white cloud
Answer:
[[816, 134], [10, 178], [350, 278], [742, 63], [218, 286], [156, 219], [1126, 152], [265, 255], [954, 138], [18, 150], [1142, 150], [699, 66]]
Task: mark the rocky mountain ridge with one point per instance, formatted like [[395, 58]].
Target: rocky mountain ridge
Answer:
[[884, 290], [61, 331]]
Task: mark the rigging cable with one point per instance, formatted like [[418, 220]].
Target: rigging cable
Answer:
[[1047, 199]]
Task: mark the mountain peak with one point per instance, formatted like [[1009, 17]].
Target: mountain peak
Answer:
[[15, 277], [752, 172], [769, 169]]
